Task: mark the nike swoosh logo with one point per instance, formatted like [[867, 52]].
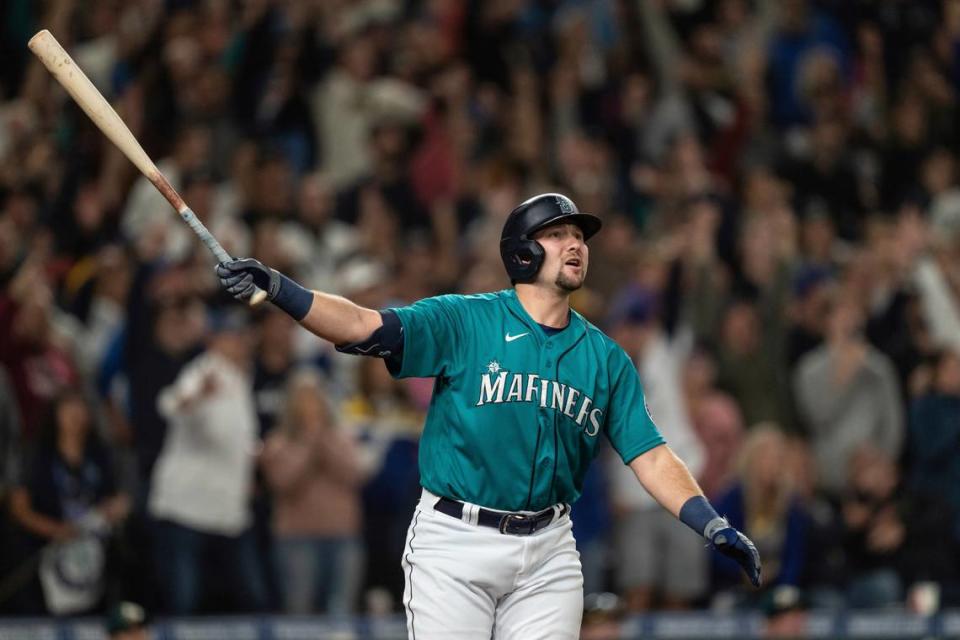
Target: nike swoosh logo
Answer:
[[510, 338]]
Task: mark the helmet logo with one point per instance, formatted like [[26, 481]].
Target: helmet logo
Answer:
[[565, 205]]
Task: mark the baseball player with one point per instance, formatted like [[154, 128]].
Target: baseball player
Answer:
[[525, 388]]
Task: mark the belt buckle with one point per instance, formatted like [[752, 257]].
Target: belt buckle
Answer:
[[516, 519]]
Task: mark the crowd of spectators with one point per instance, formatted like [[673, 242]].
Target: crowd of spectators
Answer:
[[780, 187]]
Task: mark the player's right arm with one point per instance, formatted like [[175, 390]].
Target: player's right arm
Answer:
[[418, 340], [331, 317], [339, 320]]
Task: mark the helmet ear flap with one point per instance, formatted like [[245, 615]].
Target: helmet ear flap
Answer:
[[527, 259], [537, 254]]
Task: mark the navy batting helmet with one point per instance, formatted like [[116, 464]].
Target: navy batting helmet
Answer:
[[523, 256]]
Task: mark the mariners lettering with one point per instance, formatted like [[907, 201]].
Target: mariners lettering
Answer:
[[584, 410], [559, 390], [531, 388], [516, 389], [595, 421], [571, 400], [487, 388]]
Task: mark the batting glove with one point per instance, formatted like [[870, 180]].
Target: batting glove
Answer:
[[241, 278], [734, 544]]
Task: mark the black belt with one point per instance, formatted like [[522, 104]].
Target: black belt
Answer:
[[516, 524]]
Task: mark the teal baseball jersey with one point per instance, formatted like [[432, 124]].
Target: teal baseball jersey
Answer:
[[516, 415]]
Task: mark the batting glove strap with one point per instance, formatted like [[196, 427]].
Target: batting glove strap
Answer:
[[715, 526]]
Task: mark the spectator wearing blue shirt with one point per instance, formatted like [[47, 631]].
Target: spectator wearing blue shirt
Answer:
[[763, 504], [67, 489], [934, 436]]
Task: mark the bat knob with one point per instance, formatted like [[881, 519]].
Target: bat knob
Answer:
[[258, 296]]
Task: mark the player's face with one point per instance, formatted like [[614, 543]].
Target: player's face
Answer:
[[567, 256]]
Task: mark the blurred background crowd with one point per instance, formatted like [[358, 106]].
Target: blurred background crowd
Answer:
[[780, 189]]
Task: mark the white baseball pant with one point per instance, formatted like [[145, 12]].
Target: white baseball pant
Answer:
[[472, 582]]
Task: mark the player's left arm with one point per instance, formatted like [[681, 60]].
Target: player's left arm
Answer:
[[669, 481]]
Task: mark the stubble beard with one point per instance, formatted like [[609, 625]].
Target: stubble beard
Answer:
[[567, 283]]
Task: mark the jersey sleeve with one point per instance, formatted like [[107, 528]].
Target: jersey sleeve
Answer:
[[630, 428], [432, 333]]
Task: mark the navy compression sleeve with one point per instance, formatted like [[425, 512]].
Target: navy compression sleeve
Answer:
[[698, 514]]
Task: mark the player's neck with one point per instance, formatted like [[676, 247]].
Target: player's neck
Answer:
[[546, 307]]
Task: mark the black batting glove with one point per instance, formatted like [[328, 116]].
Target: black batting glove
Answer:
[[241, 278], [734, 544]]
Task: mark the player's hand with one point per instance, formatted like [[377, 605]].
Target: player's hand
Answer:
[[734, 544], [241, 278]]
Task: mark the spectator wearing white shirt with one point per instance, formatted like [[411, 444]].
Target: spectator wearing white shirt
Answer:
[[657, 563], [202, 481]]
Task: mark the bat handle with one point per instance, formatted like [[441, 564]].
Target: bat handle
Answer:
[[216, 248]]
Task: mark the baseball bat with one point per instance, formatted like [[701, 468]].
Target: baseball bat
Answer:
[[74, 80]]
